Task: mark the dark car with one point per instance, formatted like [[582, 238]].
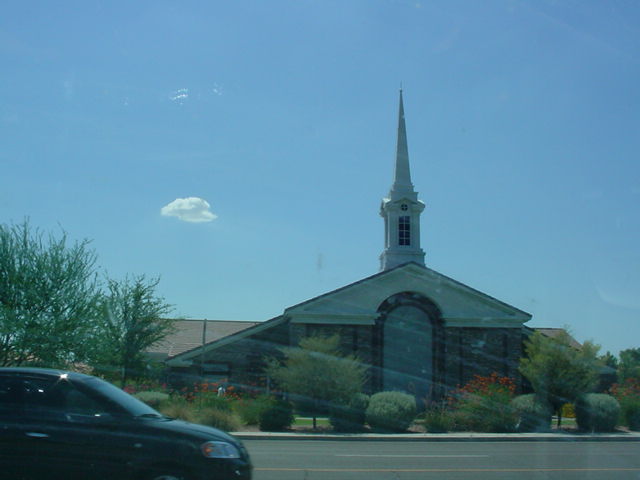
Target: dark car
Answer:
[[64, 425]]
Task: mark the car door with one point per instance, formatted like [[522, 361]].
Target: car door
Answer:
[[23, 436], [52, 430]]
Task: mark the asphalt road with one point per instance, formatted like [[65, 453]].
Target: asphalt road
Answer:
[[359, 460]]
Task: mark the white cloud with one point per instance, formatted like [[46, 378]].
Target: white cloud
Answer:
[[191, 209]]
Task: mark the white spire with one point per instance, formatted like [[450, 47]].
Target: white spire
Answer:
[[402, 175], [401, 211]]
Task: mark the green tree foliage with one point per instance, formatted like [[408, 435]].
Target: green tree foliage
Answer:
[[131, 320], [316, 374], [559, 373], [629, 366], [48, 293], [610, 360]]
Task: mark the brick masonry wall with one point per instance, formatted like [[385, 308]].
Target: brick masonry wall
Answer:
[[481, 351], [465, 353]]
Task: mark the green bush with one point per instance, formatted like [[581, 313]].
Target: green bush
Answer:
[[391, 411], [221, 419], [628, 395], [276, 415], [178, 407], [630, 413], [438, 419], [249, 409], [153, 399], [350, 417], [597, 412], [212, 400], [482, 413], [533, 413]]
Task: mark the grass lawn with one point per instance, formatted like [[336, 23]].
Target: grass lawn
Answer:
[[308, 421]]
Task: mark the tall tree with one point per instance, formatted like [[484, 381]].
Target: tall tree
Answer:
[[132, 319], [558, 371], [629, 365], [316, 373], [48, 293]]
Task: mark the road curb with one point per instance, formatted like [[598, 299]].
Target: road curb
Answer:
[[435, 437]]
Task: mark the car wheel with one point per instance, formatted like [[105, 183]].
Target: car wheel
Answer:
[[171, 475]]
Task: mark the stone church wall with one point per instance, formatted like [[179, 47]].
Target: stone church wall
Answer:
[[481, 351]]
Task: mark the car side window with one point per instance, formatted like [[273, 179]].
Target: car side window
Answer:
[[44, 398]]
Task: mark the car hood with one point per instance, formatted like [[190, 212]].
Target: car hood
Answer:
[[192, 430]]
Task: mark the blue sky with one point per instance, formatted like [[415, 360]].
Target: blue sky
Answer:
[[523, 122]]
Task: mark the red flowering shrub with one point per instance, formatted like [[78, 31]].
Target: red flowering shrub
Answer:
[[628, 396], [483, 404]]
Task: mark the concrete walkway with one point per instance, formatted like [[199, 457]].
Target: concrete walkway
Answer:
[[445, 437]]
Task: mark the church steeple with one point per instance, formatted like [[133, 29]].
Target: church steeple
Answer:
[[402, 174], [401, 210]]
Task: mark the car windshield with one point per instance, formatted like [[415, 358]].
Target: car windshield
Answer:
[[123, 400]]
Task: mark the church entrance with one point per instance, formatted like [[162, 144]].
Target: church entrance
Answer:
[[406, 340]]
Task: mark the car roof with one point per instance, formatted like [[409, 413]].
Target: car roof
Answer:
[[51, 372]]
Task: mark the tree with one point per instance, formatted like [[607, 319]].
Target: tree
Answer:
[[48, 293], [629, 366], [558, 371], [317, 373], [131, 320]]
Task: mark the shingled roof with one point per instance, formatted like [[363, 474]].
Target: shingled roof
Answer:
[[188, 335]]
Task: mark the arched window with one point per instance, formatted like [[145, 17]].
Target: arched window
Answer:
[[408, 345]]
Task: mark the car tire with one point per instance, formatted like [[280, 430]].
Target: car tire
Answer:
[[167, 475]]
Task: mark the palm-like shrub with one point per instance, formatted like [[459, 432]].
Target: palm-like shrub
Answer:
[[391, 411], [597, 412]]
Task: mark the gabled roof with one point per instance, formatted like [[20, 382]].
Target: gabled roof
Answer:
[[555, 332], [188, 335], [360, 300], [253, 328]]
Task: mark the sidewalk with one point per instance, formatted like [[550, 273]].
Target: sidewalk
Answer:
[[445, 437]]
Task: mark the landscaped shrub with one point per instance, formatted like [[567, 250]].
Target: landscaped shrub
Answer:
[[350, 417], [533, 413], [211, 400], [484, 405], [628, 395], [249, 408], [391, 411], [222, 419], [597, 412], [630, 413], [178, 407], [276, 415], [438, 419], [153, 399]]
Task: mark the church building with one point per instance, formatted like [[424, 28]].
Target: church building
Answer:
[[416, 329]]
